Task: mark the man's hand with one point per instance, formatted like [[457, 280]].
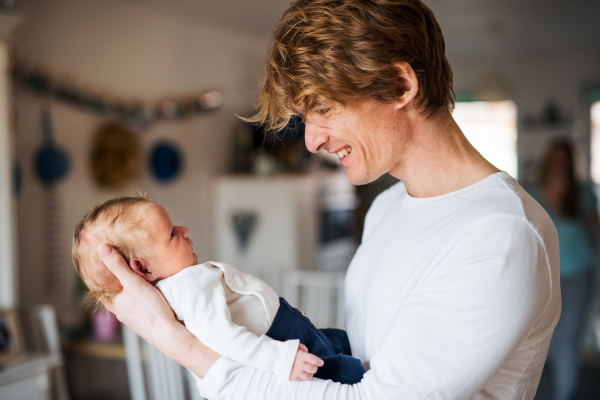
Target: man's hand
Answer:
[[305, 365], [145, 311], [139, 304]]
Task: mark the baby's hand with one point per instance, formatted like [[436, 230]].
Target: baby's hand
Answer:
[[305, 365]]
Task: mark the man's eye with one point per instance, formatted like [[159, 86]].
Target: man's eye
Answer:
[[323, 111], [172, 233]]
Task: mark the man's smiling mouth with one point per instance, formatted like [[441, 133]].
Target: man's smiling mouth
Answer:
[[344, 152]]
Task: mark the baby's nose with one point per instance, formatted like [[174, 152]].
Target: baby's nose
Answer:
[[185, 231]]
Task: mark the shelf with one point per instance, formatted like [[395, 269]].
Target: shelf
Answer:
[[111, 351]]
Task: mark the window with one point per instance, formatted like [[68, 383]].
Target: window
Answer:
[[491, 127]]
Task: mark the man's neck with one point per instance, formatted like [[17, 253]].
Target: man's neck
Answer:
[[440, 159]]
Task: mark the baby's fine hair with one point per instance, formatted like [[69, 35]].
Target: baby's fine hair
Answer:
[[116, 222]]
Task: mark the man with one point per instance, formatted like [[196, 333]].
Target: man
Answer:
[[453, 293]]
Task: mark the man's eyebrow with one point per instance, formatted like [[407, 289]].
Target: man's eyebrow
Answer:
[[307, 122]]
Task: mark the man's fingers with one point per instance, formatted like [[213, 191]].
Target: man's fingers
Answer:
[[303, 347], [114, 261]]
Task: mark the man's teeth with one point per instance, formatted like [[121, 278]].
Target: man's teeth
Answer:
[[343, 153]]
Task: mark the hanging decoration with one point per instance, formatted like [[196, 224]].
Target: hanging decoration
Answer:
[[243, 223], [136, 112], [165, 161], [115, 155], [53, 259], [52, 163]]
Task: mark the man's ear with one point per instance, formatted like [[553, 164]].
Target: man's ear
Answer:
[[141, 267], [408, 84]]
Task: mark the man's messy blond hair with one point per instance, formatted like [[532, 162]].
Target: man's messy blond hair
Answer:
[[327, 53], [119, 223]]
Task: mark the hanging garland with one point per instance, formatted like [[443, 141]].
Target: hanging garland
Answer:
[[139, 113]]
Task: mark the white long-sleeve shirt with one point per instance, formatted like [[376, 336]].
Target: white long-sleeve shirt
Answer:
[[230, 312], [449, 297]]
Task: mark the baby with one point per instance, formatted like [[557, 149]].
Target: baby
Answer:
[[233, 313]]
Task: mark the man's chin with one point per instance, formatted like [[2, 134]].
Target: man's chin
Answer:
[[362, 179], [195, 257]]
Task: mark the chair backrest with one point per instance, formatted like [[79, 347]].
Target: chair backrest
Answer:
[[152, 375], [45, 331], [319, 294], [46, 338]]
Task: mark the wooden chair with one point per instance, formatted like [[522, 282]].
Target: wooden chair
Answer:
[[46, 337]]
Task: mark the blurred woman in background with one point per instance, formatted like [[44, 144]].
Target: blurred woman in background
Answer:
[[572, 207]]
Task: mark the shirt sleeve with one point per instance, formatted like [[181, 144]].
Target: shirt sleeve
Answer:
[[491, 296], [198, 299]]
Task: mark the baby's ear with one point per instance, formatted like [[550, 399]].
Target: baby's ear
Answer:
[[140, 267]]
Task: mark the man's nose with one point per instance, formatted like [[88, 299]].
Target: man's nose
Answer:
[[314, 137]]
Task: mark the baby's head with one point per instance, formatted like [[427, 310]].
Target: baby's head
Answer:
[[142, 232]]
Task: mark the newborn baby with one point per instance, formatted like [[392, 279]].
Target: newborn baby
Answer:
[[233, 313]]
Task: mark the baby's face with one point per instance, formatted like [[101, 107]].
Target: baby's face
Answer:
[[172, 249]]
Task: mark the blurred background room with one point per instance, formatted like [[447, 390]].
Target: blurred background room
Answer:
[[107, 98]]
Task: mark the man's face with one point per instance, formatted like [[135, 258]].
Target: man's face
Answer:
[[364, 134], [171, 250]]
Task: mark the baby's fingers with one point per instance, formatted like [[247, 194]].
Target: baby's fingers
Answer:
[[310, 369], [314, 360], [305, 376]]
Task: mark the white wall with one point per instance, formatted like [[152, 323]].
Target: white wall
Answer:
[[137, 53]]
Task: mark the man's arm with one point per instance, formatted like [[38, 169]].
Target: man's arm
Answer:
[[492, 296]]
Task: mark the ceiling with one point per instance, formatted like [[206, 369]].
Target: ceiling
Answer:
[[470, 26]]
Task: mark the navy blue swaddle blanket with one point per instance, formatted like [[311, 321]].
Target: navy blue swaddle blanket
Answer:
[[330, 345]]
